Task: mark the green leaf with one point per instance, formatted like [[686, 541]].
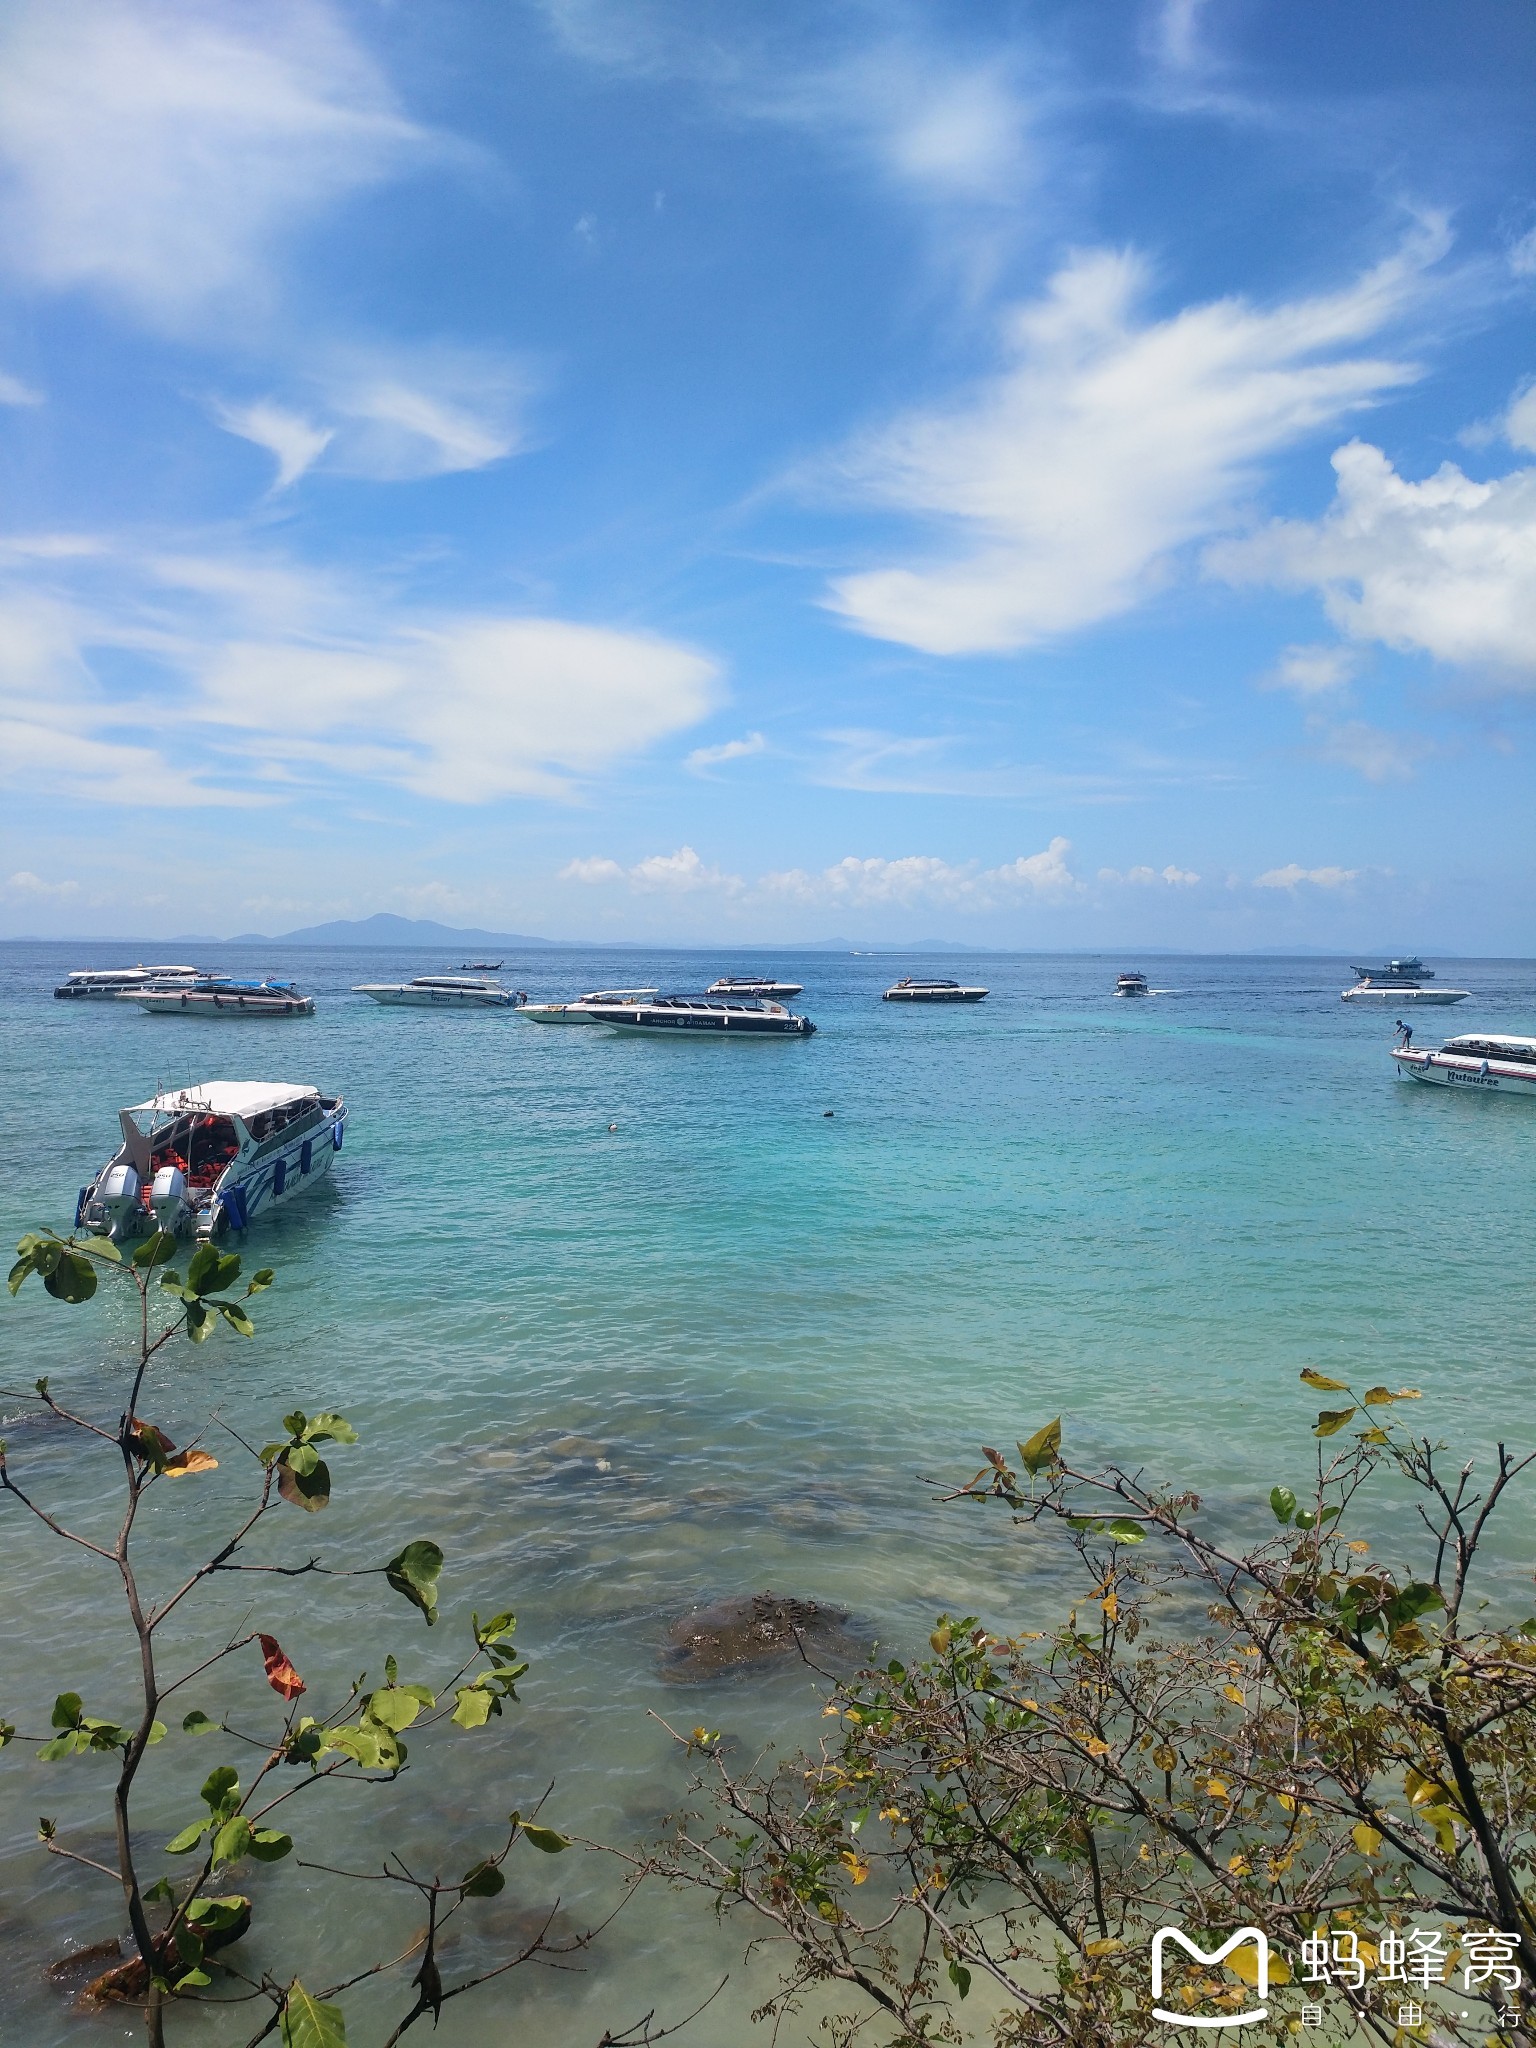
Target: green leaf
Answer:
[[960, 1977], [1124, 1530], [217, 1787], [155, 1249], [211, 1271], [544, 1838], [260, 1282], [1283, 1501], [188, 1839], [336, 1428], [217, 1916], [474, 1706], [414, 1573], [67, 1710], [270, 1845], [103, 1248], [394, 1708], [232, 1840], [307, 2023], [1331, 1421], [483, 1882], [198, 1723], [193, 1979], [1043, 1448], [72, 1279], [199, 1322], [237, 1319]]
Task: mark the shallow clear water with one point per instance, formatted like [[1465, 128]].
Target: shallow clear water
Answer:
[[764, 1328]]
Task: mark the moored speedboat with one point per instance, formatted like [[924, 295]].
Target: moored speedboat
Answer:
[[755, 985], [1131, 985], [440, 992], [1477, 1059], [1407, 973], [913, 991], [711, 1015], [1400, 981], [482, 967], [200, 1161], [99, 984], [585, 1009], [218, 996]]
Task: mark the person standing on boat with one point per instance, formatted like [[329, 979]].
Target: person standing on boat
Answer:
[[1407, 1033]]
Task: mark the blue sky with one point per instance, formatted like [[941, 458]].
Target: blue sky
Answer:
[[695, 469]]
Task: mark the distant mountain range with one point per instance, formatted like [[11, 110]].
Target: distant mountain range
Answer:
[[384, 929]]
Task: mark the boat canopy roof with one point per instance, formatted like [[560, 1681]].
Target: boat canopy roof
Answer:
[[1479, 1041], [243, 1099]]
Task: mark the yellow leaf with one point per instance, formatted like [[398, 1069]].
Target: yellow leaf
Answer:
[[1234, 1694], [1376, 1397], [1323, 1384], [1244, 1962], [1366, 1838], [1165, 1757], [1110, 1947], [1030, 1706], [190, 1461], [1359, 1548], [1239, 1864], [1331, 1421], [1285, 1800], [1111, 1607], [1217, 1788], [892, 1813], [1095, 1747], [857, 1868]]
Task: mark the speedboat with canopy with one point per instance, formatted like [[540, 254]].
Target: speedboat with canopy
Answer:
[[1493, 1061], [1400, 981], [755, 985], [1131, 985], [204, 1160], [585, 1009], [218, 996], [909, 990], [100, 984], [710, 1015], [440, 992]]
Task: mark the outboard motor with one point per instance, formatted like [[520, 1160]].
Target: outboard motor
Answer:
[[168, 1198], [117, 1198]]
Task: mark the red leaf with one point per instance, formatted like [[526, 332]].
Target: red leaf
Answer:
[[281, 1675]]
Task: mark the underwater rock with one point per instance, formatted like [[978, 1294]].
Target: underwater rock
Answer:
[[753, 1629]]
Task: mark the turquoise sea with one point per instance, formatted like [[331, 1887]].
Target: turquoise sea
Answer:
[[725, 1347]]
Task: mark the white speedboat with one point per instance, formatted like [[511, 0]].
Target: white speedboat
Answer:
[[1400, 981], [584, 1010], [98, 984], [440, 992], [1478, 1059], [1131, 985], [731, 1016], [910, 991], [755, 985], [200, 1161], [218, 996]]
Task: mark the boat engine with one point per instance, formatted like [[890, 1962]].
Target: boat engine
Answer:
[[117, 1200], [168, 1198]]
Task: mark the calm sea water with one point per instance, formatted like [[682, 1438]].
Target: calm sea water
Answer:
[[722, 1348]]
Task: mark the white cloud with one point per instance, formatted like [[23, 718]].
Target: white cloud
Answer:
[[1377, 755], [1146, 878], [157, 149], [1292, 876], [680, 872], [703, 758], [36, 756], [25, 884], [924, 878], [466, 711], [1520, 420], [1446, 567], [1522, 257], [1312, 671], [1064, 483], [14, 392], [293, 442]]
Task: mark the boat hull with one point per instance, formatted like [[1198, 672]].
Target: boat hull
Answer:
[[213, 1004], [948, 995], [1443, 1070], [558, 1013], [1438, 996], [248, 1189], [437, 999], [722, 1025]]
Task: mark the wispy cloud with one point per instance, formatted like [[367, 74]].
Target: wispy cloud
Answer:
[[682, 872], [1062, 486], [1294, 876], [27, 885], [855, 882], [1378, 755], [1446, 567], [14, 392], [702, 759], [1313, 671], [1148, 878], [294, 443], [157, 150]]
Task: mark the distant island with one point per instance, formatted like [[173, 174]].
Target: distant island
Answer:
[[385, 929]]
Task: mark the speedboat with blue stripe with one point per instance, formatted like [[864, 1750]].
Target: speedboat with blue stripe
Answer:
[[707, 1015], [205, 1160], [216, 995]]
